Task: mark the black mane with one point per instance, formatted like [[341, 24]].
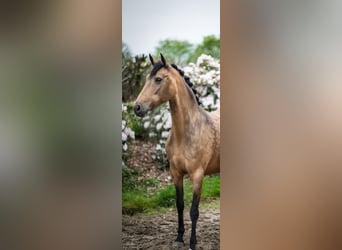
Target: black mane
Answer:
[[188, 82]]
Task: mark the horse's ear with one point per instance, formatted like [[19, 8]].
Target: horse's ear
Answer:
[[163, 59], [151, 59]]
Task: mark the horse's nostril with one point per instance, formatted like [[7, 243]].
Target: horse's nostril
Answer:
[[137, 108]]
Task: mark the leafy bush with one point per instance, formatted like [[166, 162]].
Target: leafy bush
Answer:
[[134, 70], [129, 179], [205, 75], [182, 52], [176, 51], [209, 46], [158, 123]]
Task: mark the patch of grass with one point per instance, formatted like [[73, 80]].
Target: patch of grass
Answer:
[[133, 202], [137, 199], [166, 197], [211, 187]]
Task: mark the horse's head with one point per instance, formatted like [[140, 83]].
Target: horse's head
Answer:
[[160, 87]]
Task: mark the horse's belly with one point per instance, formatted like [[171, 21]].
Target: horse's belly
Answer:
[[213, 166], [214, 163]]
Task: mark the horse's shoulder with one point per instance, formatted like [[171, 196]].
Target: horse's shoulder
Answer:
[[215, 115]]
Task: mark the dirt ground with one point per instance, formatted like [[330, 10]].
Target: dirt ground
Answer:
[[143, 157], [159, 231]]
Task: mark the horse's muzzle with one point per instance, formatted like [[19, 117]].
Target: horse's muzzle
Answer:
[[139, 110]]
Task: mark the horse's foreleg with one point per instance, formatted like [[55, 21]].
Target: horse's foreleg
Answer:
[[194, 211], [180, 208]]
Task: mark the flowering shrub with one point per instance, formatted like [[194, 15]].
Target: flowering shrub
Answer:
[[205, 75], [158, 123], [126, 132]]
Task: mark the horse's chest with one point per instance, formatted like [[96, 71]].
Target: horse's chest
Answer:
[[185, 157]]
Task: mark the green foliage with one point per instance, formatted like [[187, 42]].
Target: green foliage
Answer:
[[209, 46], [129, 179], [176, 51], [134, 71], [181, 52]]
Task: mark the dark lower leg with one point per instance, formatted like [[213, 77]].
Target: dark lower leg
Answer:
[[194, 214], [180, 209]]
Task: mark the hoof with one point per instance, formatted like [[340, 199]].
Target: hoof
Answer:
[[178, 244]]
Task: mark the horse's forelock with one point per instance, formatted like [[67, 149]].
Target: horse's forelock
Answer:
[[156, 67]]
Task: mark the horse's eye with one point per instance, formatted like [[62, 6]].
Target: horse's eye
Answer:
[[158, 79]]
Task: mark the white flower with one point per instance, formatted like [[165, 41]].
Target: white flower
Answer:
[[159, 126], [123, 107], [164, 117], [208, 100], [157, 117], [165, 134], [125, 147], [124, 136], [167, 125], [123, 122], [204, 59], [158, 147], [129, 132], [146, 124]]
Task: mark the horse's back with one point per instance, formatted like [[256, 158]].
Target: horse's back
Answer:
[[215, 116]]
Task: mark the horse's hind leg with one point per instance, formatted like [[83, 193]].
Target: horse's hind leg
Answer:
[[180, 208], [194, 211]]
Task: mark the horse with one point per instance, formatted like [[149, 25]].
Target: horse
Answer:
[[193, 145]]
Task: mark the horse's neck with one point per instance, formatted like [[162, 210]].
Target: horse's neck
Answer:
[[184, 111]]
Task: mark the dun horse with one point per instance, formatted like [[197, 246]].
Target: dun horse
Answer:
[[193, 146]]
